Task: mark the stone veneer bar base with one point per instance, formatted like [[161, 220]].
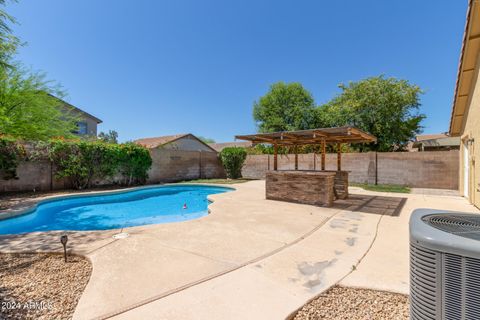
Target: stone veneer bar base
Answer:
[[308, 187]]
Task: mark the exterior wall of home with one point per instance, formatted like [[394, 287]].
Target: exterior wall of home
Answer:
[[179, 165], [90, 122], [91, 126], [471, 136], [167, 166], [187, 143], [437, 169]]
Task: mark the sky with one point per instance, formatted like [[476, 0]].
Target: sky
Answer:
[[150, 68]]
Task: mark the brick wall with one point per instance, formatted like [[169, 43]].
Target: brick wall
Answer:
[[415, 169], [167, 166]]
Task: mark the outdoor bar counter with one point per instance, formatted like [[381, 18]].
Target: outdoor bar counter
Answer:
[[315, 187], [318, 188]]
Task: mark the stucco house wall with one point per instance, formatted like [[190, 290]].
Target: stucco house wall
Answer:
[[465, 118], [90, 121], [91, 124], [471, 136]]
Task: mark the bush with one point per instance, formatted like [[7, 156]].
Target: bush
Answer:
[[233, 159], [11, 153], [83, 161], [134, 162]]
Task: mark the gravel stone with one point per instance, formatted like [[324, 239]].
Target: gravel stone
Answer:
[[41, 286], [355, 304]]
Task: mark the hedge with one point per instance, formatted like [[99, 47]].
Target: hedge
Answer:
[[233, 159], [80, 161]]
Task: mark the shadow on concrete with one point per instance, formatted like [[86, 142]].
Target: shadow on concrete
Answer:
[[391, 206], [78, 242]]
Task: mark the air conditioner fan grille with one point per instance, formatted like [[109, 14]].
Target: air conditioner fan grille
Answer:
[[454, 223]]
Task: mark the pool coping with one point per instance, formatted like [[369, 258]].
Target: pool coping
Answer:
[[31, 207]]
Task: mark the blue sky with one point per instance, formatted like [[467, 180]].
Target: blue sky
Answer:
[[150, 68]]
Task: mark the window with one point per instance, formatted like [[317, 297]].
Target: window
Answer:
[[82, 128]]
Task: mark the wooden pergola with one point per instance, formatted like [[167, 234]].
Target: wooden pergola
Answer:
[[321, 136], [308, 186]]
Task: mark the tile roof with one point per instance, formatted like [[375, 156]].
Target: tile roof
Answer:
[[159, 141]]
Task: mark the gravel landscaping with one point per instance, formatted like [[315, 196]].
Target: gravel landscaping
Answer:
[[41, 286], [355, 304]]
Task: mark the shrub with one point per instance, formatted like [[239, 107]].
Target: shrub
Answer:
[[233, 159], [83, 161], [134, 162], [11, 153]]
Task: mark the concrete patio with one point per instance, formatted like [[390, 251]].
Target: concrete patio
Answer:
[[250, 258]]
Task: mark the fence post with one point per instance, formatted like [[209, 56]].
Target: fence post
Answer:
[[51, 175], [376, 167], [200, 165]]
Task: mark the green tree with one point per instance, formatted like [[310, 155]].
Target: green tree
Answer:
[[8, 42], [286, 107], [206, 140], [109, 137], [388, 108], [28, 108]]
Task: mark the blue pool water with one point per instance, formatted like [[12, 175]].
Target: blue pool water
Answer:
[[111, 211]]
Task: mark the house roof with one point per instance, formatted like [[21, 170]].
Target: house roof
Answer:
[[312, 136], [78, 109], [466, 68], [422, 137], [155, 142], [159, 141], [220, 146], [439, 142]]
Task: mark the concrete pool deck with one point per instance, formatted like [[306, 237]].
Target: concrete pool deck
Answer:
[[250, 258]]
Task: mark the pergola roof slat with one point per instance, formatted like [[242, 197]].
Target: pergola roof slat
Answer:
[[313, 136]]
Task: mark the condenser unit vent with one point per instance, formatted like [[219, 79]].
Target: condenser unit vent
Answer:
[[444, 265]]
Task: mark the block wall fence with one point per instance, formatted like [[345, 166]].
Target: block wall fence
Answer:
[[435, 169], [415, 169], [167, 166]]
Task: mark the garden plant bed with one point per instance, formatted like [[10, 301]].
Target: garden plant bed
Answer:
[[41, 286], [355, 304]]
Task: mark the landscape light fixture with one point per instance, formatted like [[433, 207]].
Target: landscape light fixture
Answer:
[[64, 240]]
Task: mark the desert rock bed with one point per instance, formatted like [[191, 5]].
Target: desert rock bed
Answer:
[[355, 304], [41, 286]]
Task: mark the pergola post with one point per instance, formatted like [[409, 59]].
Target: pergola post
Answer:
[[324, 150], [275, 156], [339, 156], [296, 157]]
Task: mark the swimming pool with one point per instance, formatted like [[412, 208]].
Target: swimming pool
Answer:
[[103, 211]]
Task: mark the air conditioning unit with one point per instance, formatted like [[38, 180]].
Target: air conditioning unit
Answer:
[[444, 265]]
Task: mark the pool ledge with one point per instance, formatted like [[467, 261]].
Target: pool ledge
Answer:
[[31, 205]]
